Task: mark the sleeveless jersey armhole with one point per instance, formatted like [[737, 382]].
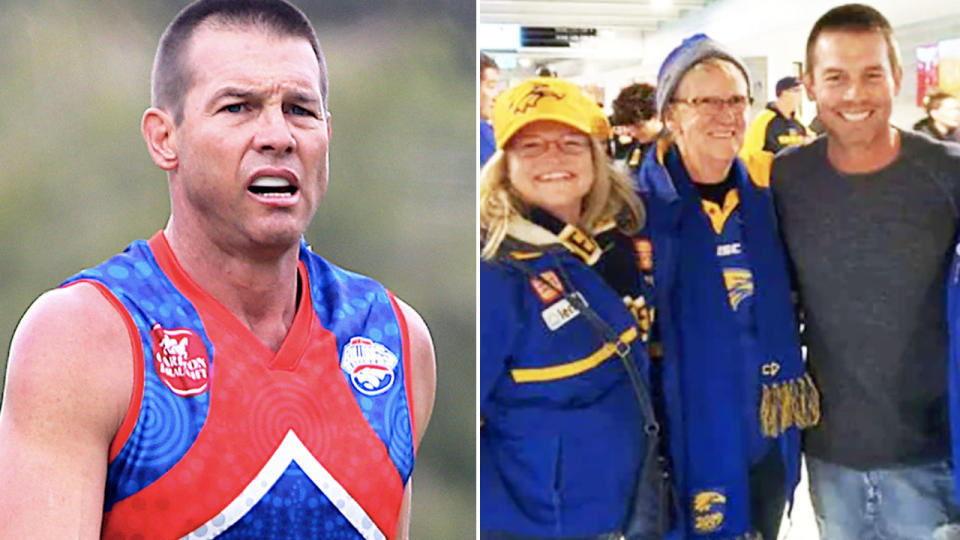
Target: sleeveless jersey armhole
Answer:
[[407, 369], [136, 395]]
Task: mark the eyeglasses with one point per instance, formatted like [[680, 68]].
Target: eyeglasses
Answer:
[[570, 144], [716, 105]]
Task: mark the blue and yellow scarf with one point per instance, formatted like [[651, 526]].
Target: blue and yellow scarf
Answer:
[[705, 363]]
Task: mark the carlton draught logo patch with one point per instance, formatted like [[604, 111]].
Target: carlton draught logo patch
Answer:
[[180, 359], [370, 365]]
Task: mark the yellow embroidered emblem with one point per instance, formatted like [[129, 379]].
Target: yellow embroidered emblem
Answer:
[[708, 510], [770, 369], [739, 283], [580, 244], [642, 313]]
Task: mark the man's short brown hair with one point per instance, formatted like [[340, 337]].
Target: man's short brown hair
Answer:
[[634, 104], [853, 18], [486, 63], [171, 79], [935, 98]]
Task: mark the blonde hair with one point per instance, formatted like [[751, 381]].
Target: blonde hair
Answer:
[[611, 197]]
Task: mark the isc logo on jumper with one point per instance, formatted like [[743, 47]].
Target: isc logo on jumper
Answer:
[[370, 365], [180, 359]]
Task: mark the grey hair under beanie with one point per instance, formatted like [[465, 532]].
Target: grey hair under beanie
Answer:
[[692, 51]]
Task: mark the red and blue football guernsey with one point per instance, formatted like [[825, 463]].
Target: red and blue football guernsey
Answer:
[[227, 438]]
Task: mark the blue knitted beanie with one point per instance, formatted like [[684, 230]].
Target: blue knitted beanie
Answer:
[[692, 51]]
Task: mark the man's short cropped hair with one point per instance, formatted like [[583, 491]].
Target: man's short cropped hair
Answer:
[[935, 98], [485, 63], [171, 79], [787, 83], [854, 18]]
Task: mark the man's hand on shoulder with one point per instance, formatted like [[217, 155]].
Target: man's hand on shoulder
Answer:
[[69, 381]]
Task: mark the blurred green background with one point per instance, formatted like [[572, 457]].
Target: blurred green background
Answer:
[[77, 185]]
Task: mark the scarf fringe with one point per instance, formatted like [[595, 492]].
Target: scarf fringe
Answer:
[[786, 404]]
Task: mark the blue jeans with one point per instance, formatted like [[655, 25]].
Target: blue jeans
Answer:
[[902, 503], [494, 535]]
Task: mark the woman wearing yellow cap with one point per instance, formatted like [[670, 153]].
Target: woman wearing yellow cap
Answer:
[[567, 422]]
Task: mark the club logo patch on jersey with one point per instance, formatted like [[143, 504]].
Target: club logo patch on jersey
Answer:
[[547, 286], [180, 359], [370, 365], [739, 282], [709, 507]]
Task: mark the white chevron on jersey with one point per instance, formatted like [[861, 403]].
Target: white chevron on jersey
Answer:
[[291, 449]]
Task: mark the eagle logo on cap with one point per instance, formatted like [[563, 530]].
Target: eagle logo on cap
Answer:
[[533, 97]]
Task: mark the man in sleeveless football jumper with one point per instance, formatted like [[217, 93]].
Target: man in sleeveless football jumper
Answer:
[[220, 379]]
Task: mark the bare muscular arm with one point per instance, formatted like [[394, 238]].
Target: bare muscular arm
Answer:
[[424, 380], [68, 386]]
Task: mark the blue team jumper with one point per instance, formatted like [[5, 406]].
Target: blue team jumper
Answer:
[[733, 378], [225, 437], [562, 442]]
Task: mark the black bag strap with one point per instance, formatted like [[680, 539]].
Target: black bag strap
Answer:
[[610, 335]]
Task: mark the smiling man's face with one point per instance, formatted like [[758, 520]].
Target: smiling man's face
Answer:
[[853, 84]]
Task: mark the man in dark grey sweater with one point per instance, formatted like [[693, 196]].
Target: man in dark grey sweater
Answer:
[[869, 214]]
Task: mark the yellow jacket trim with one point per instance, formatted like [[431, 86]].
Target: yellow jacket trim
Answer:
[[524, 255], [571, 369]]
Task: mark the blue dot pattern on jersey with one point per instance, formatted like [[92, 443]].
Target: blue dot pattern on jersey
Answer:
[[167, 424], [294, 498], [351, 305]]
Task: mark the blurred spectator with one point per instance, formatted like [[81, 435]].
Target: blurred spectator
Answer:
[[777, 126], [489, 84], [635, 124], [544, 71], [943, 116]]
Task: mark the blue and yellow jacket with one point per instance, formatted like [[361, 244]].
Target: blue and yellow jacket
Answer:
[[562, 441]]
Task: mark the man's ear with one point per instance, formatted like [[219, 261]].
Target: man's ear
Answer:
[[897, 79], [670, 121], [807, 79], [159, 132]]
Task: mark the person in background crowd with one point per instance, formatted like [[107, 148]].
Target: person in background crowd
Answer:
[[735, 390], [943, 116], [635, 125], [489, 86], [566, 415], [869, 215], [776, 126], [544, 71]]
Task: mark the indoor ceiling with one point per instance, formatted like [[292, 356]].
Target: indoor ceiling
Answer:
[[643, 15], [601, 34]]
